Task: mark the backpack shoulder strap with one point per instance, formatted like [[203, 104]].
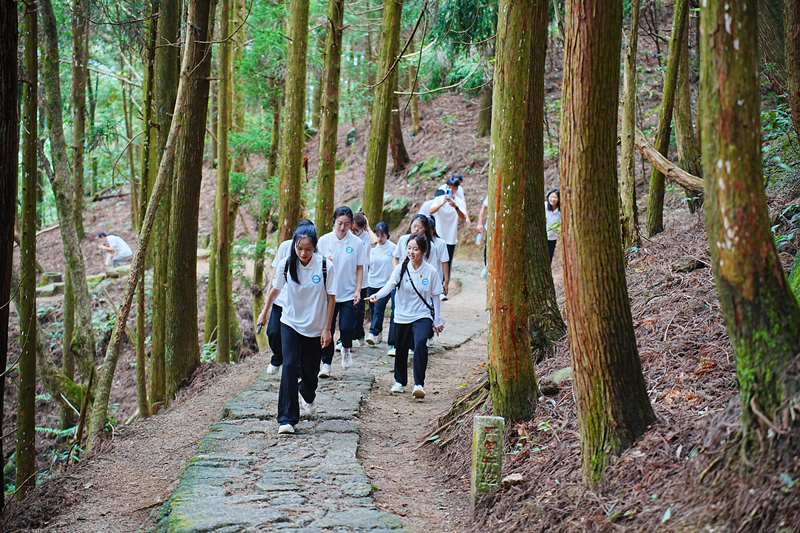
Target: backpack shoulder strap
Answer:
[[286, 272], [324, 272]]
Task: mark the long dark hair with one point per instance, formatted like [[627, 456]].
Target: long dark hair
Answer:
[[422, 242], [303, 232], [423, 219], [382, 227], [558, 204]]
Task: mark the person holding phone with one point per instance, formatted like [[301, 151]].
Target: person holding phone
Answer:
[[447, 212], [418, 313], [309, 282]]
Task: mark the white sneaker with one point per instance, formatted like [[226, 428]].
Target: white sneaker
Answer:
[[431, 341], [285, 429], [272, 369], [347, 358], [397, 387], [307, 409], [444, 297], [356, 343], [418, 391], [483, 272], [392, 351], [375, 339], [338, 346], [325, 371]]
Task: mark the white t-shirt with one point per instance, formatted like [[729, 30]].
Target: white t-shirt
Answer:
[[435, 258], [486, 204], [425, 208], [121, 248], [447, 218], [284, 251], [551, 218], [306, 307], [443, 254], [367, 243], [459, 191], [380, 264], [347, 254], [408, 305]]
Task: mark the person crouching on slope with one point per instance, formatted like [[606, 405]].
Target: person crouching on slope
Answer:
[[418, 312], [309, 281]]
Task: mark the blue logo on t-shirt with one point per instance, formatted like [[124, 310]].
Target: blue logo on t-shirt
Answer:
[[349, 249], [315, 278], [425, 281], [388, 254]]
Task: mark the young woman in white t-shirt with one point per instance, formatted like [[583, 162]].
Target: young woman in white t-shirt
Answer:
[[380, 269], [309, 281], [552, 215], [417, 313]]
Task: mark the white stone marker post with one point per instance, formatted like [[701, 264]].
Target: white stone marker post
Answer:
[[487, 457]]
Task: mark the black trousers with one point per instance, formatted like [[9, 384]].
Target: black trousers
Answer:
[[360, 312], [346, 312], [412, 336], [451, 251], [391, 340], [274, 335], [551, 247], [301, 356], [377, 311]]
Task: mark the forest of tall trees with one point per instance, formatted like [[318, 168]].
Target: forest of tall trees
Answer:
[[203, 131]]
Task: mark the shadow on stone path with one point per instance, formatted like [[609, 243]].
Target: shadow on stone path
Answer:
[[247, 478]]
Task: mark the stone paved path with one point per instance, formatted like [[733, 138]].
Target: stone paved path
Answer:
[[246, 478]]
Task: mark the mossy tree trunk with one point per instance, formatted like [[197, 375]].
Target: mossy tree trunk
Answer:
[[413, 84], [198, 19], [83, 342], [793, 60], [26, 395], [396, 145], [688, 147], [79, 76], [609, 388], [223, 189], [328, 133], [772, 44], [655, 203], [319, 85], [485, 112], [166, 70], [9, 159], [131, 152], [182, 350], [519, 93], [293, 138], [627, 164], [761, 316], [378, 144]]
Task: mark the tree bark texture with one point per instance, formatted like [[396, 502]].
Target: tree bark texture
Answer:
[[516, 160], [275, 137], [688, 147], [9, 159], [413, 84], [655, 202], [672, 171], [378, 144], [131, 152], [79, 76], [198, 14], [223, 189], [396, 145], [761, 315], [485, 112], [610, 393], [293, 137], [771, 39], [166, 70], [319, 86], [258, 278], [83, 342], [793, 60], [182, 350], [329, 127], [26, 395], [627, 164]]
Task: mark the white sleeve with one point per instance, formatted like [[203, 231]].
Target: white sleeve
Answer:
[[330, 277], [394, 279], [437, 312], [278, 279], [436, 283]]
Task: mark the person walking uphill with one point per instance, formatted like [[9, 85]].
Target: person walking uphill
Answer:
[[349, 255], [309, 281], [448, 211], [380, 270], [418, 313]]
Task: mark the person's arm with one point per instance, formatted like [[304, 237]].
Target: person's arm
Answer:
[[446, 270], [272, 295], [325, 338], [386, 290], [437, 205], [438, 323], [482, 219], [359, 279], [373, 239], [461, 211]]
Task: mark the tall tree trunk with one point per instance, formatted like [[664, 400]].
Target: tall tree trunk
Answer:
[[610, 392], [223, 190], [68, 358], [126, 107], [328, 133], [212, 121], [78, 100], [370, 55], [198, 21], [319, 86], [293, 122], [165, 84], [9, 159], [761, 315], [413, 83], [627, 181], [26, 402], [793, 60], [183, 352], [485, 112], [688, 147], [772, 43], [275, 137], [83, 343], [396, 145], [655, 203], [92, 94], [378, 144], [519, 92]]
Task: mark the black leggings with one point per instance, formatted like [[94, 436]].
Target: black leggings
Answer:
[[551, 245]]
